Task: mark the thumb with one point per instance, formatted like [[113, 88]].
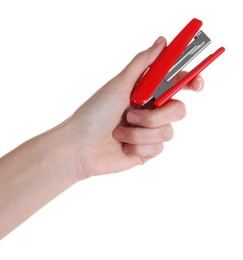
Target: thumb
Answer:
[[134, 70], [108, 104], [117, 91]]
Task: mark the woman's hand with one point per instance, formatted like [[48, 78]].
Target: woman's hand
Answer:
[[103, 136], [107, 136]]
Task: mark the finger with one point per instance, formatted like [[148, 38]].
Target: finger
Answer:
[[142, 61], [172, 111], [140, 135], [144, 151], [196, 84]]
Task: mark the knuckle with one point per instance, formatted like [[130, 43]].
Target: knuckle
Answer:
[[158, 149], [144, 57], [167, 133], [133, 136], [151, 118], [150, 122], [144, 159], [180, 110]]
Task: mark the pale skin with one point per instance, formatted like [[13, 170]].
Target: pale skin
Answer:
[[102, 130]]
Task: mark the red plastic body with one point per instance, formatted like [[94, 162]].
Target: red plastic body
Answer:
[[160, 67], [188, 77], [154, 75]]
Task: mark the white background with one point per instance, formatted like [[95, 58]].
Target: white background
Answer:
[[184, 204]]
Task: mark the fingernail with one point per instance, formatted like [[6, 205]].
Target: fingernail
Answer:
[[118, 134], [133, 117], [159, 40]]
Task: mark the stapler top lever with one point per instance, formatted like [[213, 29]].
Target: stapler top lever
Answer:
[[155, 86]]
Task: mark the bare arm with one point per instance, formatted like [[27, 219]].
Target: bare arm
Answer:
[[32, 175], [99, 131]]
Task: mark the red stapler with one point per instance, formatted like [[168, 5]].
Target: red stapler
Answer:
[[154, 86]]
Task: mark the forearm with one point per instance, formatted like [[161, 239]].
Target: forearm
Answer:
[[32, 175], [101, 137]]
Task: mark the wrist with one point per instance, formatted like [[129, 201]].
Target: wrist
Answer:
[[53, 150], [65, 139]]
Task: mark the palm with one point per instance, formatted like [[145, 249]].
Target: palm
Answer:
[[103, 113]]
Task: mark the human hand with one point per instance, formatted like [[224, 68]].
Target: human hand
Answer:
[[108, 137], [103, 136]]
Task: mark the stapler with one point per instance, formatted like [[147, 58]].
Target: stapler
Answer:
[[155, 86]]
